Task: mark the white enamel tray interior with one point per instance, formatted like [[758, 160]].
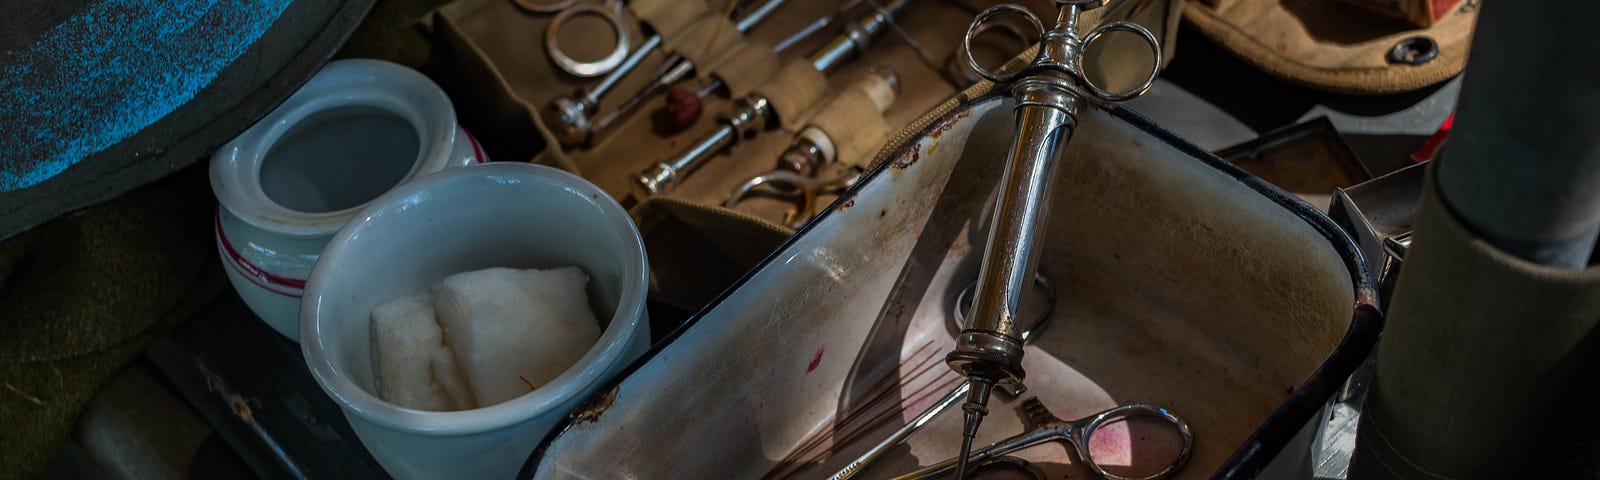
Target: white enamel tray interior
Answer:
[[1179, 286]]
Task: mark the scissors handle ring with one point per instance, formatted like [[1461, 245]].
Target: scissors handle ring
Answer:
[[1085, 431], [551, 7], [586, 69], [978, 26], [800, 189], [1155, 62]]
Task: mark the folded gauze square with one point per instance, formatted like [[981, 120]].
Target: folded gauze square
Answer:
[[515, 330], [414, 369]]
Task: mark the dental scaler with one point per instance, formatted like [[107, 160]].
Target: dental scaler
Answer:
[[1050, 92]]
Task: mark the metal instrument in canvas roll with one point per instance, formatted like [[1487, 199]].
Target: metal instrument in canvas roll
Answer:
[[754, 113], [569, 116], [1050, 92]]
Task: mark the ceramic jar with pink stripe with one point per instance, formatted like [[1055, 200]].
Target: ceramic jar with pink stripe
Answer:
[[357, 129]]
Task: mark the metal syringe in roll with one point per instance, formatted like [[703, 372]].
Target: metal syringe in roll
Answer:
[[569, 117], [844, 131], [755, 113]]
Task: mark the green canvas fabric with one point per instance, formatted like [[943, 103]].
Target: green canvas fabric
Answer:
[[1483, 362], [82, 296]]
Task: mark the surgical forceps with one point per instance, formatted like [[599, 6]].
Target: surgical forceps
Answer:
[[1045, 426]]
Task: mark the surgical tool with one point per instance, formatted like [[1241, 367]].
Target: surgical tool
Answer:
[[796, 176], [674, 72], [962, 304], [1045, 426], [753, 113], [1049, 92], [568, 117]]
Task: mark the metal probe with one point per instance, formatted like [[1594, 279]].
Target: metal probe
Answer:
[[568, 117], [1049, 94], [958, 316], [674, 72], [753, 113]]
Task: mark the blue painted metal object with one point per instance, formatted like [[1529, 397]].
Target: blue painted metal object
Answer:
[[100, 96], [112, 70]]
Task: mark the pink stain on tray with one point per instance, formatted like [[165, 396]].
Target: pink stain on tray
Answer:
[[815, 360]]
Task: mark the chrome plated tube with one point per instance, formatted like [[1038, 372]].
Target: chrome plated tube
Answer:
[[610, 81], [663, 176], [752, 114], [680, 70], [857, 36], [569, 117], [990, 345], [756, 17]]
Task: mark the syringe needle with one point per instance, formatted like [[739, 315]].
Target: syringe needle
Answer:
[[973, 418], [975, 407]]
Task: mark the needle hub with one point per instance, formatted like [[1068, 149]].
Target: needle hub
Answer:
[[976, 407]]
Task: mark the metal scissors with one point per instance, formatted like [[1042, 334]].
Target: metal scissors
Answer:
[[799, 190], [1045, 427]]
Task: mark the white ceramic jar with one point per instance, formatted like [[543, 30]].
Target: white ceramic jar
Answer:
[[357, 129], [514, 215]]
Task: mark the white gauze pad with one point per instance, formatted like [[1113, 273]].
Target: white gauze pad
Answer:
[[514, 330], [412, 365]]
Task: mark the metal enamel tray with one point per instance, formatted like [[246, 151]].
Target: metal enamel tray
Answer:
[[1183, 281]]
